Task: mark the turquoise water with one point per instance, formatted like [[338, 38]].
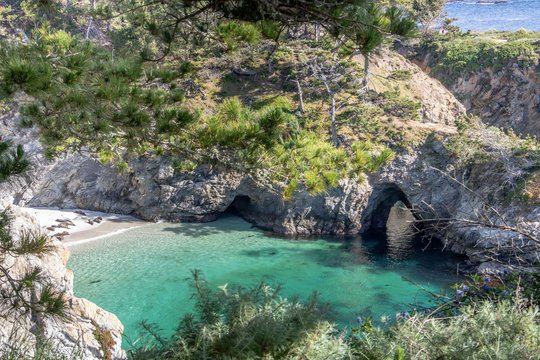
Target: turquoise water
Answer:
[[141, 274], [509, 15]]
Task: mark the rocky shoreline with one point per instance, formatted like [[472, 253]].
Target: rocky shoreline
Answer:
[[82, 331]]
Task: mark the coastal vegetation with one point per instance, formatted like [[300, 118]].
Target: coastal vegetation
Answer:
[[124, 107], [29, 292], [277, 93], [487, 317], [457, 54]]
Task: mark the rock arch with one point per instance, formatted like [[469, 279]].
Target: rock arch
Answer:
[[381, 201]]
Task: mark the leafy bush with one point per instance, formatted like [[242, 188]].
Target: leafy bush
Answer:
[[465, 53], [254, 323], [233, 33], [481, 331], [12, 163]]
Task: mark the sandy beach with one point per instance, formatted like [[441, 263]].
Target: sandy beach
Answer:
[[75, 226]]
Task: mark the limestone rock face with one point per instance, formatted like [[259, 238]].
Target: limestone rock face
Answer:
[[83, 331], [438, 105], [485, 231], [153, 191], [507, 96]]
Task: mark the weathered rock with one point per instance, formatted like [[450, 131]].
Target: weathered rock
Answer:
[[76, 334], [438, 105], [507, 96], [244, 72], [154, 191]]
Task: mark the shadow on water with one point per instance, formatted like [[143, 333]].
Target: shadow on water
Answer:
[[396, 247], [194, 230], [227, 224], [271, 251], [227, 221]]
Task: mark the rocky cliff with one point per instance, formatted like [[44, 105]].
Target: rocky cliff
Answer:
[[425, 177], [506, 94], [80, 330]]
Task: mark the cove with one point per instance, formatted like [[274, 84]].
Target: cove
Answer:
[[143, 274]]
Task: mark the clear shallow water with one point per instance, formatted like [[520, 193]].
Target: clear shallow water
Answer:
[[142, 274], [512, 15]]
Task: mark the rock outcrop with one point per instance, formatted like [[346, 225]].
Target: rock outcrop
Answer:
[[438, 105], [153, 190], [82, 330], [466, 207], [507, 96]]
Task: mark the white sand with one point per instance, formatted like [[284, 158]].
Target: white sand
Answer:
[[80, 226]]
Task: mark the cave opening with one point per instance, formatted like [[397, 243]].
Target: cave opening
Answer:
[[239, 206], [380, 208], [391, 222]]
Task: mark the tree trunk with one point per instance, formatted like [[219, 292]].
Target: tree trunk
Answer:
[[365, 83], [333, 125], [93, 5], [333, 120], [300, 95], [88, 29]]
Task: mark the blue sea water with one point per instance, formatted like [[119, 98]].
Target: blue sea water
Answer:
[[143, 274], [510, 15]]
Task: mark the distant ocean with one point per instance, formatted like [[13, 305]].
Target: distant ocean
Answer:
[[484, 15]]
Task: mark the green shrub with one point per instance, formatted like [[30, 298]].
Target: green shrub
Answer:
[[125, 68], [33, 243], [29, 75], [167, 75], [369, 158], [254, 323], [400, 75], [234, 33], [53, 302], [57, 41], [6, 240], [186, 67], [12, 162], [400, 106], [177, 95], [481, 331], [269, 29], [465, 53]]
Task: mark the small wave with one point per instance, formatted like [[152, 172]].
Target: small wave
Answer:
[[94, 238]]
